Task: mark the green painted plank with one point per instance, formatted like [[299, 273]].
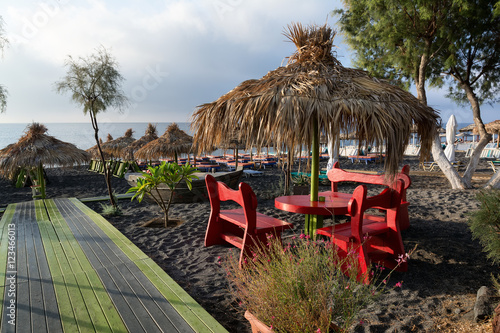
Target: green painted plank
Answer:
[[186, 306], [104, 198], [4, 240], [80, 264], [53, 251]]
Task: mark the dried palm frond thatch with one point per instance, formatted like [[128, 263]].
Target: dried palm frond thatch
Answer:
[[94, 151], [36, 148], [315, 94], [173, 142], [114, 147], [150, 135]]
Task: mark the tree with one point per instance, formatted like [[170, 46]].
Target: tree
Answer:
[[94, 83], [170, 174], [472, 63], [406, 40], [3, 90]]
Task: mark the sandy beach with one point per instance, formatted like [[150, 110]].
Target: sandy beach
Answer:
[[439, 289]]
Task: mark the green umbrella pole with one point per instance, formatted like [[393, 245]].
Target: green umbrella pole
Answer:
[[315, 163], [314, 222]]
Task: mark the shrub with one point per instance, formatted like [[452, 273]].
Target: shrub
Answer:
[[300, 287], [485, 223]]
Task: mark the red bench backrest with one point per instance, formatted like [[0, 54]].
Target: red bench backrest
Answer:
[[336, 175], [244, 196]]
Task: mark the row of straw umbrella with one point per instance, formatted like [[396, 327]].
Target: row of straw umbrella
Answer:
[[148, 147]]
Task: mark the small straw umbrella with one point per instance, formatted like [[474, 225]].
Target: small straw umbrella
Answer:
[[94, 152], [150, 135], [114, 147], [173, 142], [313, 94], [492, 128], [36, 149]]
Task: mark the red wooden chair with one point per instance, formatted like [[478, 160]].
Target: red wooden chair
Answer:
[[336, 175], [242, 227], [371, 239]]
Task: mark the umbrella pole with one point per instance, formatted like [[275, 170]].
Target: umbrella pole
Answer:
[[314, 222]]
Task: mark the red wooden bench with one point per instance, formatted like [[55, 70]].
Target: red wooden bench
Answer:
[[242, 227], [372, 239], [336, 175]]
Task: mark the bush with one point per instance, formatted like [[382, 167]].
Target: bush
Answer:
[[300, 287], [485, 223]]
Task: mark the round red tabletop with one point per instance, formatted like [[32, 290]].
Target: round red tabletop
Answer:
[[335, 204]]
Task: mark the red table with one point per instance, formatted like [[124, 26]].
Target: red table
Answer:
[[335, 204]]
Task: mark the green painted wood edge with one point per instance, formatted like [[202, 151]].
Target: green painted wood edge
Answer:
[[194, 314], [4, 249], [104, 198], [89, 290]]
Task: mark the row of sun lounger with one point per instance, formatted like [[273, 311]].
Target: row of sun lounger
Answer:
[[118, 168]]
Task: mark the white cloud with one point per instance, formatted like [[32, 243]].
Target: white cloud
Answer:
[[202, 48]]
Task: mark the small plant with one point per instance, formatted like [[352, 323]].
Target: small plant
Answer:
[[170, 174], [301, 287], [110, 210], [485, 223], [300, 180]]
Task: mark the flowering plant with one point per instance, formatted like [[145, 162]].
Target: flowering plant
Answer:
[[301, 286]]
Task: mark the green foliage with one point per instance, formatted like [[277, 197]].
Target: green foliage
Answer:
[[485, 223], [170, 174], [300, 287], [94, 83], [111, 210], [301, 180], [472, 59], [390, 37]]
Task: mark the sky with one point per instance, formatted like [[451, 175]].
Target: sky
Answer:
[[174, 55]]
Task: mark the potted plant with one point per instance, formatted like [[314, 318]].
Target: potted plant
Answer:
[[300, 184], [170, 174], [301, 286]]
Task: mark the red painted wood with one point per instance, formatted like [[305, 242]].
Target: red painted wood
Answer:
[[372, 238], [242, 227], [337, 175], [334, 204]]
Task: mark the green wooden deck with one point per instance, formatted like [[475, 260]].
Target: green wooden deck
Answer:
[[64, 268]]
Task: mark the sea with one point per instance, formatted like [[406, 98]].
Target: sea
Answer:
[[82, 134]]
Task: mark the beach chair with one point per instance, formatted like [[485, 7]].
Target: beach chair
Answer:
[[494, 165], [372, 240], [242, 227]]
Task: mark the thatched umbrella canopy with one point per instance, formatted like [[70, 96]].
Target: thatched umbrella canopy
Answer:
[[173, 142], [36, 149], [94, 151], [150, 135], [467, 128], [314, 93], [492, 128], [114, 147]]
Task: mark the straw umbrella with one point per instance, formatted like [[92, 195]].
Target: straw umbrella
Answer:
[[314, 93], [150, 135], [492, 128], [114, 147], [94, 152], [173, 142], [36, 149]]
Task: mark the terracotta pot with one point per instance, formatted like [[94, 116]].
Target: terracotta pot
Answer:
[[257, 325]]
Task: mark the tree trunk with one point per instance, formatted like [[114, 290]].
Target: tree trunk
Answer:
[[444, 164], [483, 135], [107, 173], [494, 181]]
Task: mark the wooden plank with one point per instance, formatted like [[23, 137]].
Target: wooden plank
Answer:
[[104, 198], [149, 306], [5, 266], [199, 319], [91, 315]]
